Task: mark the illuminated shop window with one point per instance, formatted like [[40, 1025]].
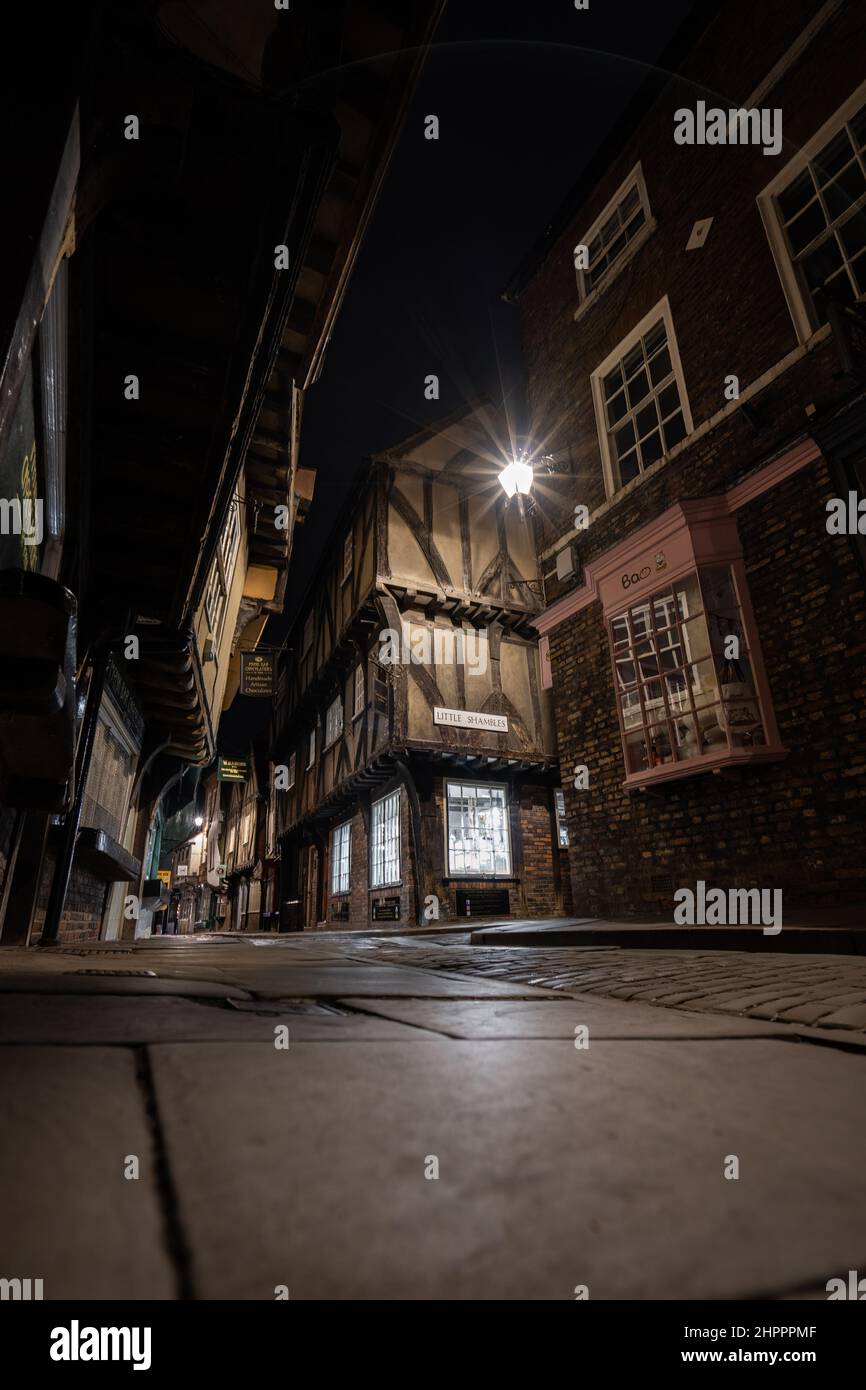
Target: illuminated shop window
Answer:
[[385, 841], [686, 688], [341, 846], [561, 824], [478, 838]]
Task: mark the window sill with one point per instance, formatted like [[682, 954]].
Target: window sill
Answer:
[[616, 269], [481, 878], [694, 767]]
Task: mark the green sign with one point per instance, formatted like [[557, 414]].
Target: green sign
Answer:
[[231, 770]]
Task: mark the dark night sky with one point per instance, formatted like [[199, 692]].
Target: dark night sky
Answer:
[[524, 95]]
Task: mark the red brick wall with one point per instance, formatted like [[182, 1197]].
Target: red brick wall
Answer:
[[540, 885], [727, 305], [795, 825], [82, 913]]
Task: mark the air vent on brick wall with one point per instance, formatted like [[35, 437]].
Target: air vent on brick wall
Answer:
[[483, 902], [386, 909], [662, 885], [340, 911]]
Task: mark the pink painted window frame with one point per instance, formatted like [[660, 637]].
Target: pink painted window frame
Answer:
[[702, 537]]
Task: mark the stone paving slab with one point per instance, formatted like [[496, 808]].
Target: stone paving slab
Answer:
[[556, 1168], [58, 982], [331, 980], [62, 1019], [69, 1116], [557, 1019]]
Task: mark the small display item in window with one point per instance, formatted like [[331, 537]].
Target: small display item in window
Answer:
[[689, 747], [741, 711]]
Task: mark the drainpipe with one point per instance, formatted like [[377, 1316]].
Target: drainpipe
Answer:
[[63, 867]]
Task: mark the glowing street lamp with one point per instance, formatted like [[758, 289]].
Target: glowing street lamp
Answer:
[[516, 478]]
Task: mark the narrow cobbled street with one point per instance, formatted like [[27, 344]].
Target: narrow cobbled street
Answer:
[[386, 1116]]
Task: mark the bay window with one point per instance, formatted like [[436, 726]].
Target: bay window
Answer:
[[385, 841], [685, 680], [478, 838]]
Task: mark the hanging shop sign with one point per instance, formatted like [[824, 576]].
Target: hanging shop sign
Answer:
[[232, 770], [257, 674], [470, 719], [165, 875]]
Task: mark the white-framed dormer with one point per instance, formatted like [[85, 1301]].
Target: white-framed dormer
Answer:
[[814, 214], [614, 238], [640, 384]]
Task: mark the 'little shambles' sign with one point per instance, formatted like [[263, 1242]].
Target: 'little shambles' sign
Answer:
[[231, 770], [470, 719], [257, 674]]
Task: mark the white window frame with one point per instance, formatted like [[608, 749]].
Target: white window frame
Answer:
[[311, 749], [333, 721], [562, 841], [662, 310], [341, 859], [669, 600], [358, 702], [468, 873], [797, 296], [635, 179], [348, 556], [292, 771], [388, 817]]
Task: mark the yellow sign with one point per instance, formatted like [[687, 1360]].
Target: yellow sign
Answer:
[[165, 875]]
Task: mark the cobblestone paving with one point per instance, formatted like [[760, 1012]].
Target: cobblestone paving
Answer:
[[818, 991]]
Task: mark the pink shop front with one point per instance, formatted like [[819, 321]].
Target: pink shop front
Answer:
[[706, 684]]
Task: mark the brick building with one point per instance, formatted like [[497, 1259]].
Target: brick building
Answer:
[[415, 762], [694, 342]]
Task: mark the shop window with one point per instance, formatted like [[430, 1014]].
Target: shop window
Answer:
[[341, 849], [685, 678], [385, 841], [478, 834]]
